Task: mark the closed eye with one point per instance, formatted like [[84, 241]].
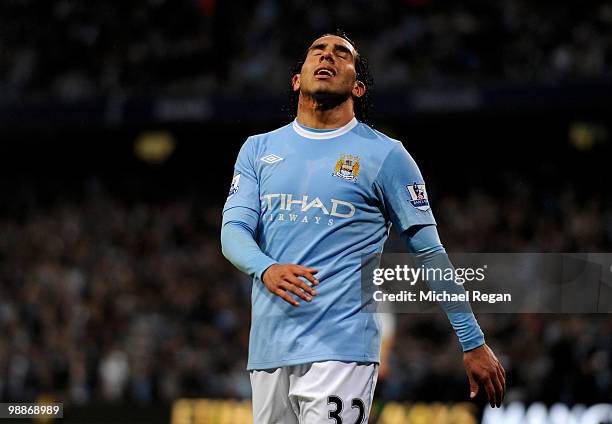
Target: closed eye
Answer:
[[342, 51]]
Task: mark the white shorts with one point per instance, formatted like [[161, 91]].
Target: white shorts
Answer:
[[320, 392]]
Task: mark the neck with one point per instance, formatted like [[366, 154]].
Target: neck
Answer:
[[313, 114]]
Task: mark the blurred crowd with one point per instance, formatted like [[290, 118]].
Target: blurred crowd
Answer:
[[101, 299], [74, 50], [108, 298]]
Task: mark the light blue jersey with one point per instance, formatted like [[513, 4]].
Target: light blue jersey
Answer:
[[322, 200]]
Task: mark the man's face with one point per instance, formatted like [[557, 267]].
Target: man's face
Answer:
[[329, 70]]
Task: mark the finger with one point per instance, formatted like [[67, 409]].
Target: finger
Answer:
[[473, 386], [301, 284], [307, 275], [303, 272], [488, 385], [289, 286], [502, 374], [285, 296], [502, 369], [499, 389], [308, 269], [502, 380]]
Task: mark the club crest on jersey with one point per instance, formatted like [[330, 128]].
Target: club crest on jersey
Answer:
[[418, 196], [234, 186], [347, 167]]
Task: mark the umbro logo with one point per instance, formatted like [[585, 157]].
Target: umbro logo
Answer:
[[271, 158]]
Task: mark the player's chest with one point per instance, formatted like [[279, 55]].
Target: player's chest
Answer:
[[339, 174]]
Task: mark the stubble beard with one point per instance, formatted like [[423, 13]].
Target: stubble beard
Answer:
[[326, 100]]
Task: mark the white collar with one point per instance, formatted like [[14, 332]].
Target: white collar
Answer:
[[327, 134]]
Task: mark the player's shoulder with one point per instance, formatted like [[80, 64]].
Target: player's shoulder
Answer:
[[387, 150], [377, 140]]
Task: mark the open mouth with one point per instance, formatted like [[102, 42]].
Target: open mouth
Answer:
[[324, 73]]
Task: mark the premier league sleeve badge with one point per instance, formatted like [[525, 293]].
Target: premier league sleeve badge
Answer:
[[418, 196]]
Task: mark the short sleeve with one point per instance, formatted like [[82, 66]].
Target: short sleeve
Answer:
[[244, 188], [401, 189]]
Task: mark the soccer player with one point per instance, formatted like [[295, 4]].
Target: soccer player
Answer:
[[306, 202]]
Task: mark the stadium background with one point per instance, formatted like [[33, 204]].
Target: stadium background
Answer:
[[119, 125]]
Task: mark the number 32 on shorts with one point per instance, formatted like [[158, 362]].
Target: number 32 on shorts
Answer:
[[335, 413]]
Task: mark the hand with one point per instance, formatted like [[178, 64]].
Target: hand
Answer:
[[482, 366], [283, 278]]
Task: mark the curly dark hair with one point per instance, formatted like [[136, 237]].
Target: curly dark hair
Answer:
[[363, 104]]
